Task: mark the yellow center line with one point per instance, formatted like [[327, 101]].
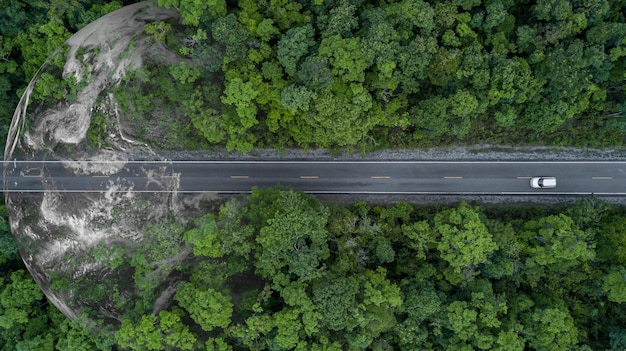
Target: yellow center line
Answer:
[[309, 177], [100, 176], [453, 177], [524, 177], [606, 178], [239, 177], [380, 177], [32, 176]]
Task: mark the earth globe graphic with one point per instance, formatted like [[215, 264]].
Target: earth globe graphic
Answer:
[[88, 112]]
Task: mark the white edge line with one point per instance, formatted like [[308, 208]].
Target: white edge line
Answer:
[[318, 162]]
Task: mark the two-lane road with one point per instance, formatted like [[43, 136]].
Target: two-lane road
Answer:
[[325, 177]]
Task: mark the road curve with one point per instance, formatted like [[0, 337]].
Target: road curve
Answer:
[[601, 178]]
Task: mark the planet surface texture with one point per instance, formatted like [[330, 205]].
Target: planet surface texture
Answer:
[[88, 112]]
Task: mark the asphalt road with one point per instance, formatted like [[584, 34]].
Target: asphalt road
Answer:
[[326, 177]]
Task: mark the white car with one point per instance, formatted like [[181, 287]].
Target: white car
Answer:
[[542, 182]]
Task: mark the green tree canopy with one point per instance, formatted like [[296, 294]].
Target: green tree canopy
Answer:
[[208, 308], [294, 241], [465, 241], [294, 45]]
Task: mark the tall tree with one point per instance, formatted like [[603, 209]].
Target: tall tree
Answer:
[[192, 11], [465, 241], [208, 308], [155, 332], [294, 241], [294, 45], [346, 56], [614, 284], [551, 327]]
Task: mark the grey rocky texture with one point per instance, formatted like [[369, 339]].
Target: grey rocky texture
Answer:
[[72, 242], [461, 152]]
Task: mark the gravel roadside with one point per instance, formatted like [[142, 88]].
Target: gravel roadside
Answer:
[[475, 152]]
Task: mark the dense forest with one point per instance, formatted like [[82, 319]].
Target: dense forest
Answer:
[[379, 74], [278, 270], [367, 74], [388, 74]]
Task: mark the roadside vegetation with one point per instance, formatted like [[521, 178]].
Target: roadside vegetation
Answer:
[[360, 74], [278, 270], [384, 74]]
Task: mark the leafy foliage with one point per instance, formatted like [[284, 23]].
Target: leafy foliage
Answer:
[[294, 241], [204, 237], [153, 332], [324, 73], [465, 241], [344, 74], [278, 269], [458, 277], [208, 308]]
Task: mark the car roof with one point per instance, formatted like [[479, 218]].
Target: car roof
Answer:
[[547, 181]]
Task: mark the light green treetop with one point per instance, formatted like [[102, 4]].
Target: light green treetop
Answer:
[[465, 241], [208, 308]]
